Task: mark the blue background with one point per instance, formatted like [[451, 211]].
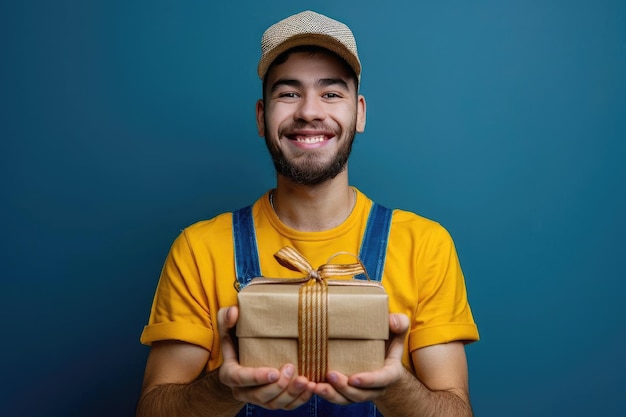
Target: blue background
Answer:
[[124, 121]]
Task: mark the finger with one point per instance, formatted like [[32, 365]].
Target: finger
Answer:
[[399, 325], [264, 394], [226, 320], [329, 393], [337, 390], [353, 393], [299, 391], [304, 396], [392, 372], [236, 376]]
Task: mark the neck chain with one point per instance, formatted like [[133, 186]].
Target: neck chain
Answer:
[[272, 202]]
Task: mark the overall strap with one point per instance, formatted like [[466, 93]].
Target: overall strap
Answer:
[[373, 251], [247, 264]]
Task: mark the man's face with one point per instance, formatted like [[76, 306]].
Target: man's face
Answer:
[[309, 117]]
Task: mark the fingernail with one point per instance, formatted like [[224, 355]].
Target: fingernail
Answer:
[[332, 377], [355, 382], [394, 321], [288, 371], [273, 376]]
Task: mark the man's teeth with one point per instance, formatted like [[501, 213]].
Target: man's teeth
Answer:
[[312, 139]]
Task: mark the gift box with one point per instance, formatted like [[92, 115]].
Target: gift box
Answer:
[[346, 324]]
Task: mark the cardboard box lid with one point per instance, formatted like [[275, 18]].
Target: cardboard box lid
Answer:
[[357, 309]]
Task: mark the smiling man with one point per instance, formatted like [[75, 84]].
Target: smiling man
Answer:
[[309, 115]]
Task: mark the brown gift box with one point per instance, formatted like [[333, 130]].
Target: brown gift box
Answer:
[[358, 324]]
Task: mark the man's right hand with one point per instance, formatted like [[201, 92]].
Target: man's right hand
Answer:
[[267, 387]]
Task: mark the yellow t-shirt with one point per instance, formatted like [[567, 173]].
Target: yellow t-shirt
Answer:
[[422, 275]]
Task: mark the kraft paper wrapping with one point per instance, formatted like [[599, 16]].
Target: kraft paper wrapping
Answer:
[[358, 324]]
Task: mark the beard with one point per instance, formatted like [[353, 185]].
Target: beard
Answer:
[[310, 169]]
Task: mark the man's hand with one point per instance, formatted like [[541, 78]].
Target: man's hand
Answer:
[[267, 387], [368, 386], [278, 388]]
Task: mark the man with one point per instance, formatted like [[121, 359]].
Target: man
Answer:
[[309, 115]]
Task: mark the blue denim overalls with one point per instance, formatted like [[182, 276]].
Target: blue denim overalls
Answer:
[[372, 253]]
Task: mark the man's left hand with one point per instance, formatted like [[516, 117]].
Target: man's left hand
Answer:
[[367, 386]]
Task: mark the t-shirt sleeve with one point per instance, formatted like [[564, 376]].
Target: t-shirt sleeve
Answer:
[[443, 313], [180, 310]]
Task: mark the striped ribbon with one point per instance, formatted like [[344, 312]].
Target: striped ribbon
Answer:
[[313, 310]]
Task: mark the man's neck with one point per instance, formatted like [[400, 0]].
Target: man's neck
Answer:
[[313, 208]]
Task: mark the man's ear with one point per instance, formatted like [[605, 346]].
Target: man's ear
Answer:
[[361, 110], [260, 117]]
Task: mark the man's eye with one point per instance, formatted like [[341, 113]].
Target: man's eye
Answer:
[[288, 95], [331, 95]]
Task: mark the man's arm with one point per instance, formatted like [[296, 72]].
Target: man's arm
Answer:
[[174, 385], [442, 387]]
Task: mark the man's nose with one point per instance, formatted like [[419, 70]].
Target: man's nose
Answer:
[[310, 108]]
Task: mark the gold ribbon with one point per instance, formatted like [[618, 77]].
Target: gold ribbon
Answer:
[[313, 309]]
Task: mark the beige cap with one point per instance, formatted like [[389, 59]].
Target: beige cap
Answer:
[[310, 29]]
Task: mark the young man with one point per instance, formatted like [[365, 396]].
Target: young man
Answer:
[[309, 115]]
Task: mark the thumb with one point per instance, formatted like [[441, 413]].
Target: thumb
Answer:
[[226, 321], [398, 326], [398, 323]]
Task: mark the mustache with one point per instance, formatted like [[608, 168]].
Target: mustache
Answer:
[[296, 126]]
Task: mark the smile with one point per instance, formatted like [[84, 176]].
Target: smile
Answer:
[[310, 139]]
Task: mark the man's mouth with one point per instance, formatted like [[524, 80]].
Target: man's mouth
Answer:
[[309, 139]]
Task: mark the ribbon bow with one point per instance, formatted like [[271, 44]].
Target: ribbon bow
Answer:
[[292, 259], [313, 309]]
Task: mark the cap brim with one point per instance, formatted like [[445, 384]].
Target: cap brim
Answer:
[[310, 39]]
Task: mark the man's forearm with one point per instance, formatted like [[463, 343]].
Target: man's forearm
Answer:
[[206, 396], [409, 397]]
